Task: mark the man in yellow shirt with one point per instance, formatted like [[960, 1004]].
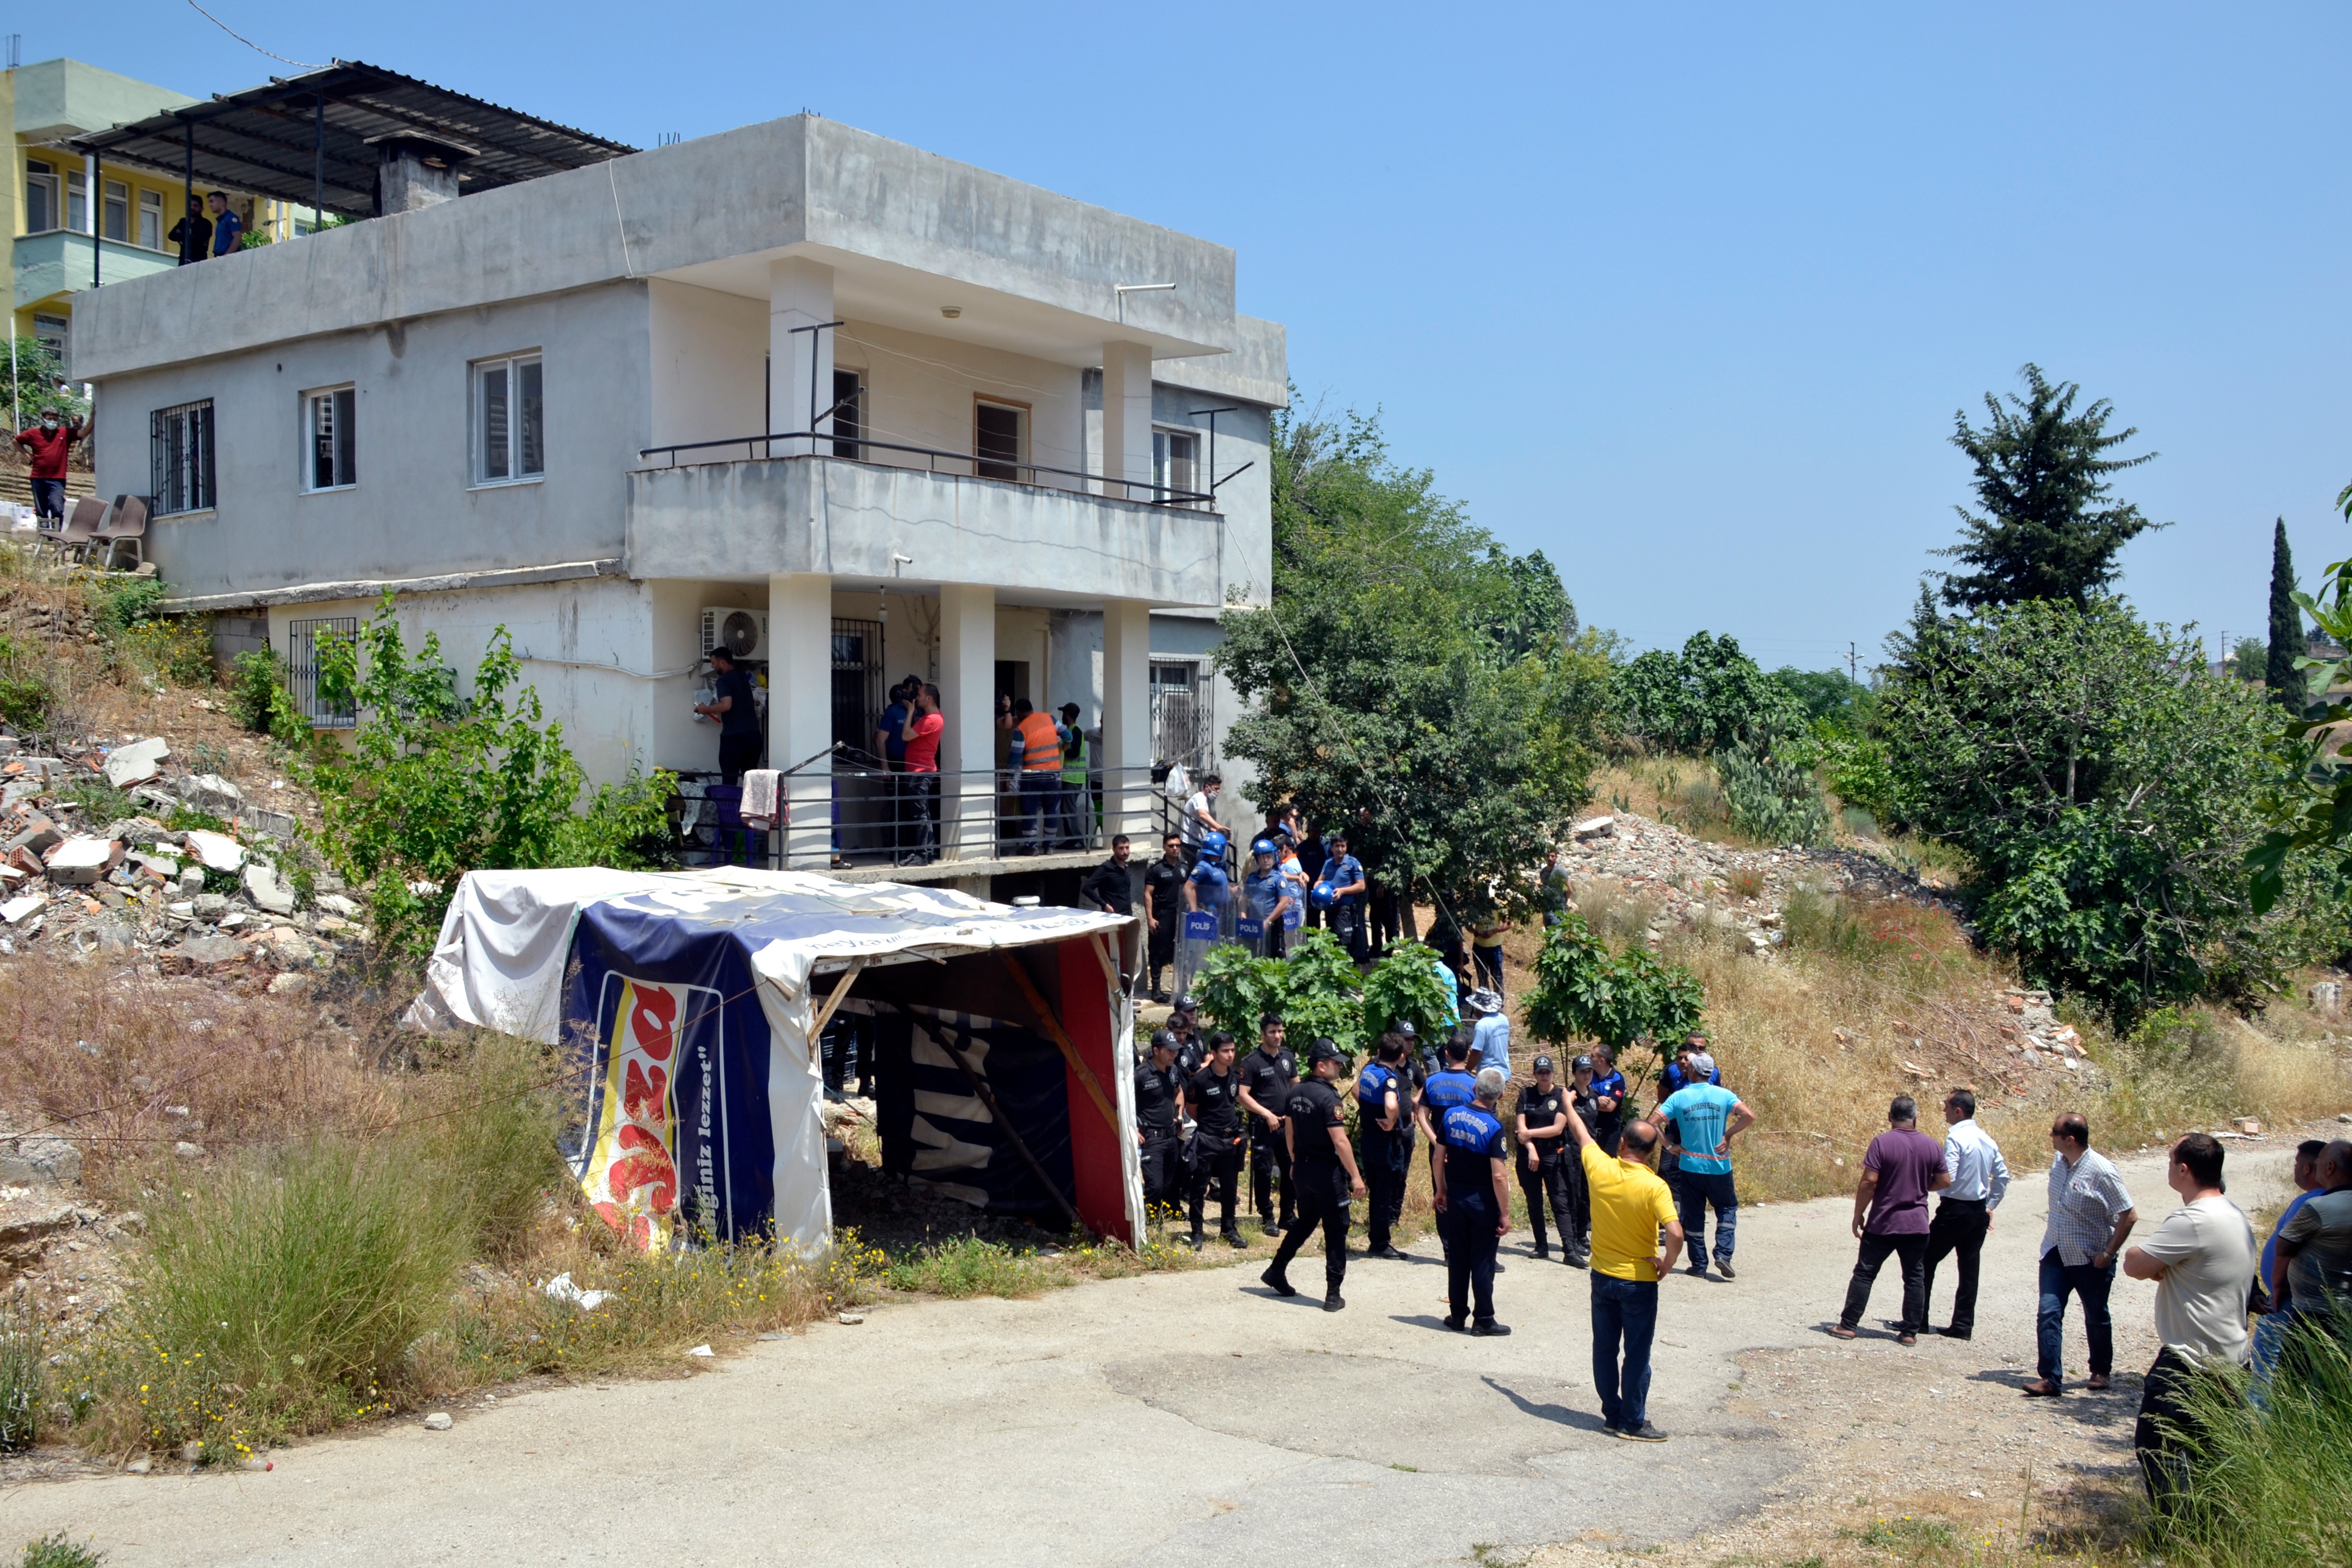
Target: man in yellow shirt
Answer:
[[1631, 1209]]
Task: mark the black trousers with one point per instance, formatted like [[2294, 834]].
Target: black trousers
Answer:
[[1163, 953], [1959, 1229], [1270, 1158], [1550, 1182], [1322, 1201], [921, 792], [1580, 1202], [1217, 1163], [1161, 1167], [1387, 1158], [2169, 1437], [1469, 1227], [738, 754], [1911, 1250]]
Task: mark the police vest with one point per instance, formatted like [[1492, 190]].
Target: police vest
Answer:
[[1041, 748]]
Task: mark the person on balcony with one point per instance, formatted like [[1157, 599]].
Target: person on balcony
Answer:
[[193, 234], [228, 230], [921, 732], [1035, 760], [739, 738], [1077, 828]]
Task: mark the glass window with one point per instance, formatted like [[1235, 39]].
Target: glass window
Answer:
[[151, 220], [40, 196], [996, 441], [117, 215], [329, 438], [848, 413], [510, 420], [1174, 464], [77, 201], [179, 457], [302, 639]]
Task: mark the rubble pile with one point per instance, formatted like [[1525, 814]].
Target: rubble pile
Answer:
[[199, 881]]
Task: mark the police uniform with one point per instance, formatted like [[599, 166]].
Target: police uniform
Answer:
[[1269, 1077], [1217, 1140], [1312, 1108], [1156, 1090], [1441, 1093], [1543, 1108], [1608, 1130], [1472, 1139], [1387, 1156]]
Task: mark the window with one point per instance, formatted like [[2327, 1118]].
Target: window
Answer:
[[179, 457], [117, 213], [510, 421], [77, 201], [848, 413], [302, 670], [328, 419], [1175, 458], [53, 333], [40, 196], [151, 220], [996, 440], [856, 682], [1181, 727]]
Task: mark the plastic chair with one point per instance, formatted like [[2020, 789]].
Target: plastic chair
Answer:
[[83, 525], [128, 526]]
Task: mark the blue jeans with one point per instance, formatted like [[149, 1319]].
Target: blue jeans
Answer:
[[1694, 1190], [1626, 1310], [2270, 1340], [1041, 809], [2090, 1286]]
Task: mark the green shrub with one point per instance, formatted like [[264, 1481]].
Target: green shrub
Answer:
[[56, 1551], [1583, 992], [21, 1380], [281, 1295], [99, 802], [1315, 991], [262, 700], [26, 694], [967, 1266], [1772, 800], [1405, 986]]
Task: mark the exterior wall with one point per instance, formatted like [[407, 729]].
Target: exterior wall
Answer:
[[414, 510], [709, 353], [920, 390]]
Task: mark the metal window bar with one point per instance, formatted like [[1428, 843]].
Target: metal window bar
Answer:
[[302, 670], [179, 457], [984, 467], [856, 682], [1183, 724]]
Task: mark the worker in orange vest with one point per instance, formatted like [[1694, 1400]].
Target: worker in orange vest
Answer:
[[1036, 761]]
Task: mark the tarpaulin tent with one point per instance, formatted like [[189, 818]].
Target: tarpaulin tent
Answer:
[[692, 1002]]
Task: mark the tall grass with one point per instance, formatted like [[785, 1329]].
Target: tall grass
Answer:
[[22, 1380], [488, 1131], [2272, 1489]]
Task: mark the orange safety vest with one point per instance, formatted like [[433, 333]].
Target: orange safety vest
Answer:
[[1041, 746]]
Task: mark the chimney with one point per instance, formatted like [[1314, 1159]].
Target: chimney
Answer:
[[412, 173]]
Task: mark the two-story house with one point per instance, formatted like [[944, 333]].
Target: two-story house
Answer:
[[860, 410]]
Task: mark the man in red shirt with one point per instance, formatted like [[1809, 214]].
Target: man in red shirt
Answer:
[[923, 727], [45, 445]]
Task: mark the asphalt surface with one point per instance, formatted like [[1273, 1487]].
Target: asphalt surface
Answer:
[[1171, 1419]]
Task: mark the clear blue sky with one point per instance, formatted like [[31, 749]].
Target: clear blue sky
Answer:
[[1685, 297]]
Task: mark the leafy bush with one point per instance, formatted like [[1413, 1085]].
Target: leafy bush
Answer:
[[1703, 698], [282, 1294], [1405, 985], [1774, 801], [98, 802], [1315, 991], [26, 694], [1583, 992], [1236, 988], [56, 1550], [435, 784], [262, 700]]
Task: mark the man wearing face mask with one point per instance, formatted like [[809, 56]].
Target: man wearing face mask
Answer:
[[45, 445]]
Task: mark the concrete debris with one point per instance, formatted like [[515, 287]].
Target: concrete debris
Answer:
[[439, 1421], [39, 1159], [851, 1318], [1593, 827], [78, 862], [136, 762], [210, 794], [218, 851], [262, 886], [183, 1150]]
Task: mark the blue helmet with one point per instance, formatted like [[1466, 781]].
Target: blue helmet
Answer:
[[1262, 847], [1213, 843]]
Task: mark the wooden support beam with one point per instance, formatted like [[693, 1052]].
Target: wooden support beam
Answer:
[[945, 1033], [834, 998], [1054, 1032]]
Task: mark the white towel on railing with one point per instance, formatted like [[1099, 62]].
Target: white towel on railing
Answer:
[[759, 790]]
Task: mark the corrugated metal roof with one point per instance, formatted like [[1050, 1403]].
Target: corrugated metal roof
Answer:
[[315, 136]]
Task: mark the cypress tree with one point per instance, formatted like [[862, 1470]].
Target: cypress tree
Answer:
[[2286, 681]]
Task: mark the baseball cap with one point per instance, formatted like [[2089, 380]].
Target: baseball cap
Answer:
[[1404, 1026], [1702, 1065], [1326, 1051], [1581, 1064], [1184, 1004], [1543, 1064], [1162, 1040]]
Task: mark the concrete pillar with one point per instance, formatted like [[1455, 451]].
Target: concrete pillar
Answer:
[[968, 702], [800, 709], [799, 294], [1126, 417], [1127, 722]]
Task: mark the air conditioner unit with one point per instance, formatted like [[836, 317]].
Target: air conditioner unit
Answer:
[[743, 633]]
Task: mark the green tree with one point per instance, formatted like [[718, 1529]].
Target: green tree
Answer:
[[39, 384], [2249, 660], [2309, 806], [1708, 696], [435, 783], [2281, 673], [1584, 992], [2049, 525], [1408, 664], [2106, 790]]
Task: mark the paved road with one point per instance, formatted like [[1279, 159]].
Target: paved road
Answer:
[[1178, 1419]]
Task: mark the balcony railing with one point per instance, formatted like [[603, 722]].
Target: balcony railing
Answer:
[[756, 447]]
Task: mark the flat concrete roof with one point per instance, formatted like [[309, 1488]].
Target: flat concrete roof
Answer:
[[907, 233]]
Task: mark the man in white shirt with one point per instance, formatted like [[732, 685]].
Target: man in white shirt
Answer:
[[2201, 1257], [1964, 1216], [2090, 1218]]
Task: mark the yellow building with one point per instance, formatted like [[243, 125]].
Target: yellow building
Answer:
[[60, 243]]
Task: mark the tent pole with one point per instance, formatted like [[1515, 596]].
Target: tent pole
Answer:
[[996, 1113], [834, 998], [1052, 1027]]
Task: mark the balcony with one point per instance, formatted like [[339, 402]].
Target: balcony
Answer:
[[884, 521], [57, 261]]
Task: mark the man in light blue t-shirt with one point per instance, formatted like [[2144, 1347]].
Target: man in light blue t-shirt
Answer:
[[1706, 1117]]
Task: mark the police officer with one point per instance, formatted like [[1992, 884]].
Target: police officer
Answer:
[[1159, 1094], [1450, 1087], [1541, 1123], [1213, 1097], [1473, 1203], [1609, 1100], [1384, 1116], [1324, 1166], [1184, 1026], [1586, 1107], [1266, 1073]]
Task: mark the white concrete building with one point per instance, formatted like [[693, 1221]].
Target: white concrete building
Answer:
[[578, 406]]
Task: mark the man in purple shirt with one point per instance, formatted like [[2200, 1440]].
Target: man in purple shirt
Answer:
[[1890, 1217]]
